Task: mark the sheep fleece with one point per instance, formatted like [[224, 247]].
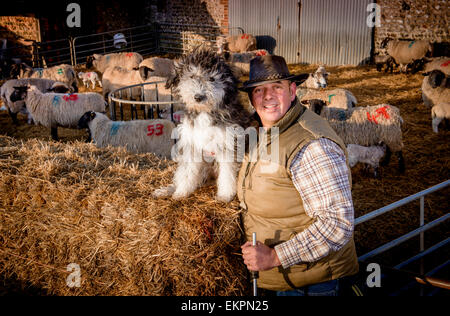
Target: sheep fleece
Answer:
[[139, 136]]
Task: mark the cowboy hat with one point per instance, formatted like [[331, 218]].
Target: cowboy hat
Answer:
[[267, 69]]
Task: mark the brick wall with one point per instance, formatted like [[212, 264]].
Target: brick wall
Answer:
[[14, 27], [413, 19]]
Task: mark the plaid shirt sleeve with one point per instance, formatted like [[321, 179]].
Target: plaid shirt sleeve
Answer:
[[320, 174]]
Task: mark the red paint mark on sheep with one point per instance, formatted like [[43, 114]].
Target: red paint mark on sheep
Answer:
[[445, 64], [71, 97], [156, 130], [379, 112], [245, 36], [129, 55], [261, 53]]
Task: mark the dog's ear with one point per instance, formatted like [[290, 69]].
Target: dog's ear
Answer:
[[173, 79]]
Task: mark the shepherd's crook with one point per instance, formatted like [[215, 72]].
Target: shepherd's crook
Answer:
[[255, 274]]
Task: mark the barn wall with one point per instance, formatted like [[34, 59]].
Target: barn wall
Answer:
[[418, 19]]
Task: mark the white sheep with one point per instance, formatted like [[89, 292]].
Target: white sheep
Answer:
[[438, 63], [62, 73], [138, 136], [91, 77], [366, 126], [336, 98], [369, 155], [56, 109], [236, 43], [315, 80], [44, 85], [156, 67], [439, 112], [435, 88], [125, 60], [407, 52]]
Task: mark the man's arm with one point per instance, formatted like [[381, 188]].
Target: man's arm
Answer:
[[320, 174]]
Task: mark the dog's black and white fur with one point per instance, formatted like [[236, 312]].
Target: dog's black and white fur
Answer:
[[205, 84]]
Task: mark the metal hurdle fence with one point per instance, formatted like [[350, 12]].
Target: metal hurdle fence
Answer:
[[423, 277]]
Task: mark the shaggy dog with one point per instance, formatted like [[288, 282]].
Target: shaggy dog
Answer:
[[206, 85]]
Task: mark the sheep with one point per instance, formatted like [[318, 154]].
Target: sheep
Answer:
[[117, 77], [369, 155], [56, 109], [138, 136], [336, 98], [62, 73], [128, 61], [44, 85], [316, 80], [438, 63], [407, 52], [236, 44], [435, 88], [384, 60], [156, 67], [240, 62], [366, 126], [439, 112], [91, 77]]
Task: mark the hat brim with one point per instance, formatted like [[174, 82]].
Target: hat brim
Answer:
[[298, 79]]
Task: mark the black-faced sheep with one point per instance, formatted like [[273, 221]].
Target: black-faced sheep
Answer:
[[55, 109], [62, 73], [366, 126], [385, 61], [139, 136], [44, 85], [407, 52], [125, 60], [435, 88]]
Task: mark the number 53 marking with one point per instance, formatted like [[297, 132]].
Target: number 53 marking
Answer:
[[155, 129]]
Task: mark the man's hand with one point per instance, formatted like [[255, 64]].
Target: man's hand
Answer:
[[259, 257]]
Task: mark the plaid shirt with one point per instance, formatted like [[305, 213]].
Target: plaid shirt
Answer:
[[320, 174]]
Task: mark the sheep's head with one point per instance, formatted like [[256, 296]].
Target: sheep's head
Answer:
[[321, 77], [385, 42], [85, 119], [17, 70], [314, 105], [80, 75], [59, 87], [19, 94], [90, 61], [435, 78]]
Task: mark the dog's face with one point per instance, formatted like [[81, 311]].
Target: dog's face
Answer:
[[203, 82]]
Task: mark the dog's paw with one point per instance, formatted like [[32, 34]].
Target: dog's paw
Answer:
[[222, 197], [164, 191]]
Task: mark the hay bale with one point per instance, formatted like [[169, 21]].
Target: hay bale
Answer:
[[75, 203]]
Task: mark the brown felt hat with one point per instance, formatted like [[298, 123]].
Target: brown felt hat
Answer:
[[269, 68]]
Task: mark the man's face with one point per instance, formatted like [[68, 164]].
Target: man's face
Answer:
[[272, 100]]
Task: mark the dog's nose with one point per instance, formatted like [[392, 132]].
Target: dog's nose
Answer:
[[199, 97]]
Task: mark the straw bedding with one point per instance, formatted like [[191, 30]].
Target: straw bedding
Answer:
[[74, 203], [71, 202]]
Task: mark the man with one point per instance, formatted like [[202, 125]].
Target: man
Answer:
[[302, 211]]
